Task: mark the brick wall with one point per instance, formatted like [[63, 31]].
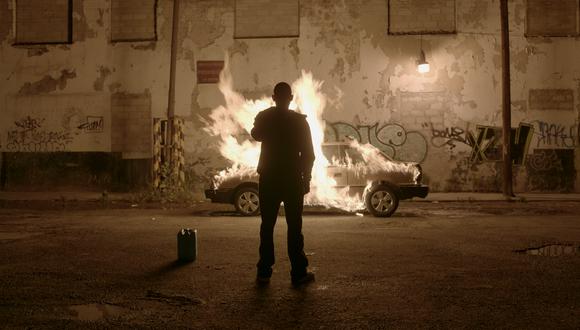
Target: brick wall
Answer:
[[421, 16], [41, 21], [131, 131], [133, 20], [267, 18], [552, 17], [551, 99]]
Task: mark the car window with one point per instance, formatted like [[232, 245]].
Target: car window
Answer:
[[331, 152], [352, 155]]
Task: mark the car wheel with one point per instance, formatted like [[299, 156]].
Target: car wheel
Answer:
[[382, 201], [247, 202]]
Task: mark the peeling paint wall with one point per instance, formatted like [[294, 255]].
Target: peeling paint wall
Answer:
[[76, 74], [448, 115]]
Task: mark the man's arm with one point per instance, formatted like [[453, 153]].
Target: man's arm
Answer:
[[306, 151], [259, 130]]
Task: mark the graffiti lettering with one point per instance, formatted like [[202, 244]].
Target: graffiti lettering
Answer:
[[487, 146], [556, 135], [486, 143], [29, 123], [393, 139], [449, 136], [92, 125], [29, 137]]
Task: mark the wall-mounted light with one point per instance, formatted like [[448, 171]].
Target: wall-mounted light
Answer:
[[422, 64]]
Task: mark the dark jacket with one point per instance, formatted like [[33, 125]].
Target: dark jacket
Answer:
[[286, 143]]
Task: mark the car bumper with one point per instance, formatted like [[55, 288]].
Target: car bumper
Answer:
[[410, 191], [219, 195]]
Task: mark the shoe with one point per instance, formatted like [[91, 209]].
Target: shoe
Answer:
[[262, 280], [304, 279]]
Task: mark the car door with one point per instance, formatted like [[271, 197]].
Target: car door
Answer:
[[356, 174], [335, 169]]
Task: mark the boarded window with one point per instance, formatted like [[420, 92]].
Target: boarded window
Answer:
[[551, 18], [421, 16], [267, 18], [132, 127], [208, 72], [133, 20], [551, 99], [43, 22]]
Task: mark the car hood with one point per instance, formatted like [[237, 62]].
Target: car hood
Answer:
[[231, 180]]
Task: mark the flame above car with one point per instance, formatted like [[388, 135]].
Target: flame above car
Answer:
[[232, 124]]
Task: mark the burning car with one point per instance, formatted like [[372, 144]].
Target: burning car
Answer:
[[360, 174]]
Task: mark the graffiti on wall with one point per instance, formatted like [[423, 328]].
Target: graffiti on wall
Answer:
[[63, 122], [487, 146], [557, 135], [28, 135], [92, 125], [392, 139], [449, 136], [551, 170], [485, 143]]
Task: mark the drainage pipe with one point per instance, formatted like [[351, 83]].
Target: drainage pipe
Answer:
[[506, 101]]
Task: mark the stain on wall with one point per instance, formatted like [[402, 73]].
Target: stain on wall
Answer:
[[104, 72], [48, 83], [82, 29]]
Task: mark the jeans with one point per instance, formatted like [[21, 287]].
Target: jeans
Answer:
[[273, 191]]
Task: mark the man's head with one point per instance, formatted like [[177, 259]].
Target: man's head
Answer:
[[282, 95]]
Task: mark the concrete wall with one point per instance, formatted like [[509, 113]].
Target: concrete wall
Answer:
[[87, 94], [84, 88], [447, 119]]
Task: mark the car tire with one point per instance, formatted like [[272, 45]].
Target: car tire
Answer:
[[247, 201], [381, 201]]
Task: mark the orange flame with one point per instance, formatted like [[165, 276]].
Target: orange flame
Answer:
[[233, 122]]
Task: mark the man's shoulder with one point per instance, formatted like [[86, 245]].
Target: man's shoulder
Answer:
[[266, 112], [274, 114], [297, 115]]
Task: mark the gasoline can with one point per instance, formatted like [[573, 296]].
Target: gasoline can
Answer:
[[187, 245]]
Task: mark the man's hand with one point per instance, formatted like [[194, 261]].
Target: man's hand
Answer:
[[306, 185]]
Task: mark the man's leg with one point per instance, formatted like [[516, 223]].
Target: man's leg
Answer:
[[293, 205], [269, 205]]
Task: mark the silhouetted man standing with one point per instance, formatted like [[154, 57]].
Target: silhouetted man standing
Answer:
[[285, 170]]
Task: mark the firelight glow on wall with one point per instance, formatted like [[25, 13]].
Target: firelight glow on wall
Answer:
[[422, 64]]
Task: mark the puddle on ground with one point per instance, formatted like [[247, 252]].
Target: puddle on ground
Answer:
[[94, 312], [552, 250]]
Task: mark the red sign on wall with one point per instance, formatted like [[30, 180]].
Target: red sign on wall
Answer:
[[208, 72]]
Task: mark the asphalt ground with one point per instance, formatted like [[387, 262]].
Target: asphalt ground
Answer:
[[431, 265]]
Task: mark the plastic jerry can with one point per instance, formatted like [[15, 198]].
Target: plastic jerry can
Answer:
[[187, 245]]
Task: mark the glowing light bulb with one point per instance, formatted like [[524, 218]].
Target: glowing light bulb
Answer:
[[422, 64], [423, 67]]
